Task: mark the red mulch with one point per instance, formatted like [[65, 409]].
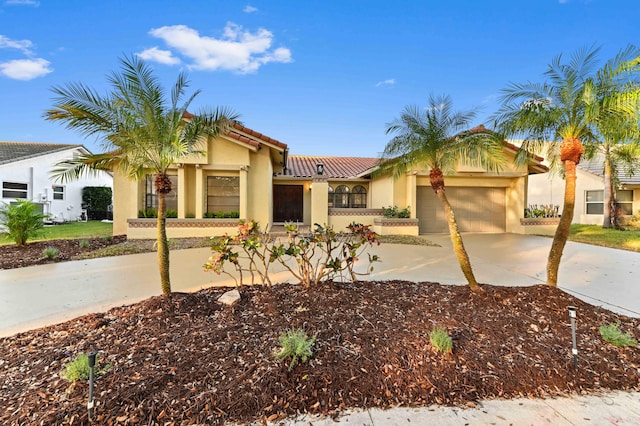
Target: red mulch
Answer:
[[185, 359]]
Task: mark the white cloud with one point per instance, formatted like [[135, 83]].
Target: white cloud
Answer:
[[250, 9], [23, 45], [158, 55], [25, 69], [387, 82], [22, 3], [237, 50]]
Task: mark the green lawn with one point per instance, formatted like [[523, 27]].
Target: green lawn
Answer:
[[596, 235], [90, 229]]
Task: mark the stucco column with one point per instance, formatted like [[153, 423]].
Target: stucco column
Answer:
[[244, 192], [200, 192], [182, 192], [320, 200], [411, 193]]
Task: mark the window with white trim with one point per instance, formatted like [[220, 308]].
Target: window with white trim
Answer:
[[58, 192], [15, 190], [595, 201]]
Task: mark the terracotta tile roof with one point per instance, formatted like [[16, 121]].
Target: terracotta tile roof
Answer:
[[15, 151], [334, 167], [258, 135]]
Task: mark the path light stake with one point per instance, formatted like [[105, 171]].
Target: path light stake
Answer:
[[574, 350], [92, 364]]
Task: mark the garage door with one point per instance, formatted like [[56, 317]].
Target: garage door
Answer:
[[476, 209]]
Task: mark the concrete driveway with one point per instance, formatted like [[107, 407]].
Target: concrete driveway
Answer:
[[40, 295]]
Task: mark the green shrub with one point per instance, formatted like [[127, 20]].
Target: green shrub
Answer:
[[148, 213], [84, 244], [396, 212], [441, 340], [611, 333], [296, 345], [78, 369], [190, 215], [97, 200], [22, 220], [170, 213], [50, 253]]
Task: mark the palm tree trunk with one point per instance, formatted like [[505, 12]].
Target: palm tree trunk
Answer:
[[163, 245], [456, 240], [609, 202], [564, 227]]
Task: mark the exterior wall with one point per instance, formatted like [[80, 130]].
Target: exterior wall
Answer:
[[341, 218], [549, 189], [35, 172], [182, 228], [125, 202], [260, 188]]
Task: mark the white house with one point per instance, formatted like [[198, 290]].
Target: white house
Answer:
[[25, 174], [549, 189]]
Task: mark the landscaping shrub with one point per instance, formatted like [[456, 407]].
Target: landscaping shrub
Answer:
[[319, 255], [78, 369], [440, 339], [22, 221], [611, 333], [50, 253], [97, 199], [395, 212], [296, 345]]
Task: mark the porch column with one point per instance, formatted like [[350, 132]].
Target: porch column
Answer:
[[200, 192], [319, 201], [411, 193], [244, 192], [182, 192]]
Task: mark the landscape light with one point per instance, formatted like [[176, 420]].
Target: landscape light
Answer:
[[574, 349]]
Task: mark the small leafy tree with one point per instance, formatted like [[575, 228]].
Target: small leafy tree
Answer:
[[22, 220], [309, 257], [97, 200]]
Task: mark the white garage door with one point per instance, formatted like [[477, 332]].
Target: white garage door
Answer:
[[476, 209]]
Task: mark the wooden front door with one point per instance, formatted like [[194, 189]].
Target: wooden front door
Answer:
[[287, 203]]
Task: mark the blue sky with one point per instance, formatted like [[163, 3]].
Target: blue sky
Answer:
[[322, 77]]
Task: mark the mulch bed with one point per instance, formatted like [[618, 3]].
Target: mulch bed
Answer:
[[185, 359]]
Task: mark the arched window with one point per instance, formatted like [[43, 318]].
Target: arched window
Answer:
[[330, 196], [341, 196], [358, 197]]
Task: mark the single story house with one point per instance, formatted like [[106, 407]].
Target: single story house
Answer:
[[548, 188], [246, 174], [25, 175]]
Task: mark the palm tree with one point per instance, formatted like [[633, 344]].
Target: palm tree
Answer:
[[618, 136], [141, 132], [566, 107], [433, 138]]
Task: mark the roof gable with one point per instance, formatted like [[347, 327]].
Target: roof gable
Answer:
[[11, 152], [596, 167]]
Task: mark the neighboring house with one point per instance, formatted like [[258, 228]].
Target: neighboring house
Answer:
[[25, 175], [548, 188], [252, 174]]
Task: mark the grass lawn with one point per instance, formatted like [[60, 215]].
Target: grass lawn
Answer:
[[596, 235], [91, 229]]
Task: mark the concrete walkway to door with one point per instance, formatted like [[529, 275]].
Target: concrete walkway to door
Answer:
[[47, 294]]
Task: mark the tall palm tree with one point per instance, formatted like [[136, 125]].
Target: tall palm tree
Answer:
[[566, 107], [618, 136], [433, 138], [140, 129]]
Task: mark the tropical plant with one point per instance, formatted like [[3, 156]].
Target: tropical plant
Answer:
[[141, 132], [566, 107], [618, 137], [440, 340], [295, 344], [78, 369], [434, 138], [22, 221], [611, 333]]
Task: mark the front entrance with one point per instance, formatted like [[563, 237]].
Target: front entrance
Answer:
[[287, 203]]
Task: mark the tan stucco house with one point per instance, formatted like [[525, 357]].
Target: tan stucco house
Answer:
[[252, 175]]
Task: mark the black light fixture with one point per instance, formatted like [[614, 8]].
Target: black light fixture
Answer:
[[320, 169]]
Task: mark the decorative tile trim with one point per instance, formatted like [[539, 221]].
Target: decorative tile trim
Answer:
[[184, 223], [529, 221], [394, 221], [354, 212]]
